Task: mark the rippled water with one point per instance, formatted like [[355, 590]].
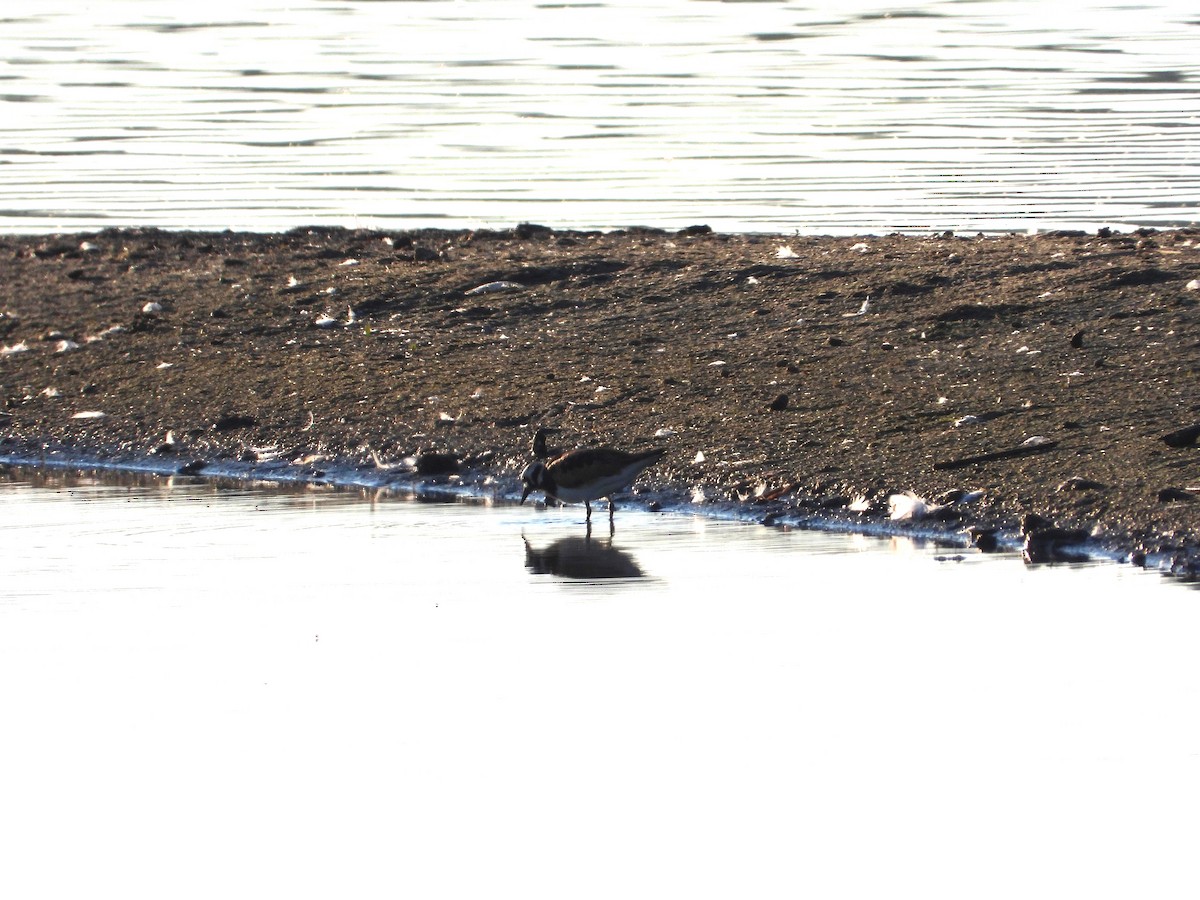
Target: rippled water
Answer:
[[748, 116], [218, 690]]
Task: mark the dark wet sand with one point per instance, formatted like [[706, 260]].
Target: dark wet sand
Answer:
[[754, 351]]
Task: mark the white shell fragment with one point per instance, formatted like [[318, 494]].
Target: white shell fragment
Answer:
[[106, 333], [89, 414], [20, 347], [786, 253], [908, 506], [325, 321], [495, 287], [152, 308], [862, 310], [65, 345], [1194, 284]]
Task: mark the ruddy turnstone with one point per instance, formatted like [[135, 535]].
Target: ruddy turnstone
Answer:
[[581, 476]]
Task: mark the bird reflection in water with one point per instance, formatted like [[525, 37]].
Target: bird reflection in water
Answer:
[[580, 558]]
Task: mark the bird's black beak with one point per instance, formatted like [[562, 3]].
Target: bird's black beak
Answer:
[[525, 493]]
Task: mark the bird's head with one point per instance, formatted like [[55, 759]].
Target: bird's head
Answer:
[[534, 478]]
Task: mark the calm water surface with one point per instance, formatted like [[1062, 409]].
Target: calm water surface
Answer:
[[212, 691], [751, 116]]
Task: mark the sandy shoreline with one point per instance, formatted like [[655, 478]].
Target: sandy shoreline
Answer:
[[787, 376]]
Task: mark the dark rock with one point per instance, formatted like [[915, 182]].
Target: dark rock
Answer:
[[1076, 483], [984, 539], [195, 467], [1077, 339], [435, 463], [234, 422], [780, 403], [1045, 542], [1176, 495], [527, 230], [1183, 437]]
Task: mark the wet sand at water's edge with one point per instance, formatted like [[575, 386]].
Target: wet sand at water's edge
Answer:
[[789, 375]]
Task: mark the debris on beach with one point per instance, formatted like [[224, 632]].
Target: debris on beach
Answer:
[[495, 287], [1045, 542], [1182, 437]]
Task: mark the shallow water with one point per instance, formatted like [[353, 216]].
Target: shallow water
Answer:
[[220, 690], [747, 116]]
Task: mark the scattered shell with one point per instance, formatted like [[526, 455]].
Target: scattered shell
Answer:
[[51, 392], [966, 420], [106, 333], [20, 347], [324, 321], [862, 310], [698, 494], [494, 287], [89, 414], [861, 248], [164, 365], [1194, 284], [907, 506], [65, 345], [786, 253], [860, 504], [152, 308], [348, 262], [1036, 440], [699, 458], [665, 432]]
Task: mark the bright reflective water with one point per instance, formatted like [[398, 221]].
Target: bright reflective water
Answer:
[[223, 691], [863, 115]]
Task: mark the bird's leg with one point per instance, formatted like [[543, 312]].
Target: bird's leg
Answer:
[[589, 511]]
